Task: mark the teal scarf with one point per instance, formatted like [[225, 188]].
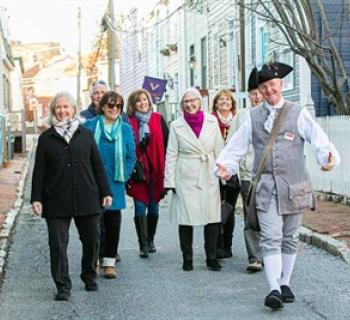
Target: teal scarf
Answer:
[[115, 134]]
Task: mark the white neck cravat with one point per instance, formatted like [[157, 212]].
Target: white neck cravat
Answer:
[[271, 118]]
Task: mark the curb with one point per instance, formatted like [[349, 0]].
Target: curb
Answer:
[[325, 242], [11, 216]]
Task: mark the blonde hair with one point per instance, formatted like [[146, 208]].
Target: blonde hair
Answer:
[[135, 97], [227, 93]]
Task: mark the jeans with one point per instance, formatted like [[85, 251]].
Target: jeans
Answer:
[[141, 207]]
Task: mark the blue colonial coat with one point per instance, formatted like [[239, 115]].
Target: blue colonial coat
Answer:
[[106, 149]]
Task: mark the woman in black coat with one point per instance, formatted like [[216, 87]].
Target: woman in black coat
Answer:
[[69, 182]]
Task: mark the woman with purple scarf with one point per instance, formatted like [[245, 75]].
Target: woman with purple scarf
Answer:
[[194, 143]]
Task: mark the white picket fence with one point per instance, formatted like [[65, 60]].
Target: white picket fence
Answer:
[[336, 181]]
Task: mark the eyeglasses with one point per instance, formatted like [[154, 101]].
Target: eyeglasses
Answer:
[[112, 105], [190, 100]]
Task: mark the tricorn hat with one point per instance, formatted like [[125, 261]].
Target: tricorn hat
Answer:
[[273, 70], [253, 79]]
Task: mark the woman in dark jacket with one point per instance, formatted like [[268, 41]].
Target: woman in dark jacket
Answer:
[[69, 182], [151, 135], [224, 109]]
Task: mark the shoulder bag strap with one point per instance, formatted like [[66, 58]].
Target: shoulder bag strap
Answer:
[[274, 131]]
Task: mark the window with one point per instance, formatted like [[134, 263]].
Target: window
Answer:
[[262, 43], [5, 92], [231, 52], [139, 45], [216, 59], [286, 56], [204, 62], [192, 64]]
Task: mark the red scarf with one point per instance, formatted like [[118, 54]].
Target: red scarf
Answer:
[[224, 127], [153, 161]]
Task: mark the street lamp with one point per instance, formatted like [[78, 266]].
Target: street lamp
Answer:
[[192, 63], [222, 43]]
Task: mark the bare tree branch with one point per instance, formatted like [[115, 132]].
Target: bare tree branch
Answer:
[[296, 22]]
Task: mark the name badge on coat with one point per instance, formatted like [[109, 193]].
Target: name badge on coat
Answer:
[[289, 136]]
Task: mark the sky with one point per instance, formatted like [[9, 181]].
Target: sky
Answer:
[[56, 20]]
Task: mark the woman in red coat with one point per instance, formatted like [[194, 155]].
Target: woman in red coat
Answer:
[[151, 135]]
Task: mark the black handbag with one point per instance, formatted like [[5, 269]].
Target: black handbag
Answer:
[[252, 217], [138, 174], [226, 209], [234, 182]]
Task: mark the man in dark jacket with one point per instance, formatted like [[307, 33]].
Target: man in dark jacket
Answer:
[[97, 90]]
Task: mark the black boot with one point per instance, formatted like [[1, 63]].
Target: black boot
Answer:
[[211, 233], [220, 243], [141, 229], [152, 222], [186, 239]]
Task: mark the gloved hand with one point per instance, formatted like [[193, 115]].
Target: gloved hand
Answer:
[[166, 190], [144, 143]]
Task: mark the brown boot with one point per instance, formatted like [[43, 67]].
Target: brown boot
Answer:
[[109, 272]]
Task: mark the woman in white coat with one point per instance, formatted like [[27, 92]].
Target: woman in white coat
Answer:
[[194, 143]]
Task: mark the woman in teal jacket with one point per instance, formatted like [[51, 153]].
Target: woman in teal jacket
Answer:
[[115, 141]]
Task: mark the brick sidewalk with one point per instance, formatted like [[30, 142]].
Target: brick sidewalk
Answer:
[[9, 179], [331, 219]]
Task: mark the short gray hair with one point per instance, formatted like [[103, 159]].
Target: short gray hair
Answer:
[[98, 83], [194, 92], [53, 102]]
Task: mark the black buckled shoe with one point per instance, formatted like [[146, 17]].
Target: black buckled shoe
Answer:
[[62, 295], [274, 300], [287, 294], [213, 265]]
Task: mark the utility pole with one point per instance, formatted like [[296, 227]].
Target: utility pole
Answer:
[[79, 59], [111, 47], [242, 47]]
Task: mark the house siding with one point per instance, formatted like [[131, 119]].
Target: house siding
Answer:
[[339, 24]]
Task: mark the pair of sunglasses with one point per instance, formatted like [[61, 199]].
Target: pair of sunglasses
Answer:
[[112, 105]]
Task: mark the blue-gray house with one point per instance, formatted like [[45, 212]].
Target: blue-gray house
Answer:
[[337, 15]]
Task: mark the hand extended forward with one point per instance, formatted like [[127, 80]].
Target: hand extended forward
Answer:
[[222, 172]]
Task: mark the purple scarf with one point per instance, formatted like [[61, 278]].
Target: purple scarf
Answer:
[[195, 121]]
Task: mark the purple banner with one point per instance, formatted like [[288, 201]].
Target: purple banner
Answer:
[[156, 88]]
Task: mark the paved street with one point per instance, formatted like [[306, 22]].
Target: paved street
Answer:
[[157, 288]]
